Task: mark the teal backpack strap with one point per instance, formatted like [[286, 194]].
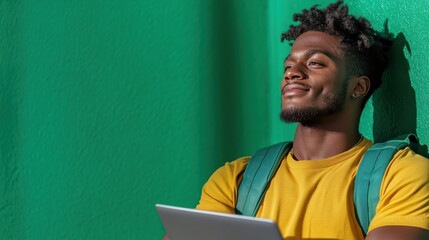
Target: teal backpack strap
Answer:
[[370, 175], [257, 175]]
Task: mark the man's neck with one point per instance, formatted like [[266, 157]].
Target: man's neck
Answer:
[[319, 142]]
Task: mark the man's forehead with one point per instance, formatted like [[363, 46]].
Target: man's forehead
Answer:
[[312, 42], [317, 35]]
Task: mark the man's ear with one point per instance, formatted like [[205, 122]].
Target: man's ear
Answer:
[[361, 86]]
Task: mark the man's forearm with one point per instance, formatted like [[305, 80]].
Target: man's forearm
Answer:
[[398, 233]]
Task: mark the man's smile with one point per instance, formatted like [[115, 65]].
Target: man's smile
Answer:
[[294, 89]]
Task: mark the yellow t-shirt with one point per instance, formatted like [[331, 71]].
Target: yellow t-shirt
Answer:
[[313, 199]]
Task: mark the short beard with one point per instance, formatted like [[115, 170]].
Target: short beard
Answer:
[[308, 115]]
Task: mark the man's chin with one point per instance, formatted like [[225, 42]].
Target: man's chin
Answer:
[[294, 116], [304, 116]]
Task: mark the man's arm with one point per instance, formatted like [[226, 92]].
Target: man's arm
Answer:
[[403, 206], [398, 233], [165, 238]]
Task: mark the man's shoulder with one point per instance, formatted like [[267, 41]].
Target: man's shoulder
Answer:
[[407, 156], [408, 166], [237, 166], [231, 170]]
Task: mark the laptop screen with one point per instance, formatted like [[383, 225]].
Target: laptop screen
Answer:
[[191, 224]]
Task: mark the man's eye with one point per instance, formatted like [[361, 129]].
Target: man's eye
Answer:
[[315, 64], [287, 68]]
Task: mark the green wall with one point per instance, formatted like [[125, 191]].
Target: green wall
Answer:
[[108, 107]]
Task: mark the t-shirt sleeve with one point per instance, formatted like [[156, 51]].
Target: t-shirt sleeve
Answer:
[[219, 194], [404, 194]]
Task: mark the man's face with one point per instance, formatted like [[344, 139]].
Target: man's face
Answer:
[[315, 81]]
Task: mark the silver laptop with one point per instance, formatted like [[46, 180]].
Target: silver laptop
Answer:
[[190, 224]]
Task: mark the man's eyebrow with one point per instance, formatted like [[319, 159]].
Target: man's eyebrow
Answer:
[[315, 51], [312, 52]]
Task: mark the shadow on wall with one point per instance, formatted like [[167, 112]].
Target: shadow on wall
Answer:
[[395, 110]]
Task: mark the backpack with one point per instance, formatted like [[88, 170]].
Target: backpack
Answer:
[[263, 165]]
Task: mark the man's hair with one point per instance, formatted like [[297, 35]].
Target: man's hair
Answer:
[[365, 48]]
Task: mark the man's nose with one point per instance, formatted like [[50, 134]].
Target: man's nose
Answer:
[[294, 73]]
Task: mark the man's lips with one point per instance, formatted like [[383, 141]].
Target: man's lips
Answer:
[[294, 88]]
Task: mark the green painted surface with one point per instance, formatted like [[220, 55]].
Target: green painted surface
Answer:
[[109, 107]]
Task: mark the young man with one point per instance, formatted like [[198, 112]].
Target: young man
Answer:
[[335, 64]]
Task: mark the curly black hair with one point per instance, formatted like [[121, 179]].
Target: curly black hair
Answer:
[[365, 48]]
